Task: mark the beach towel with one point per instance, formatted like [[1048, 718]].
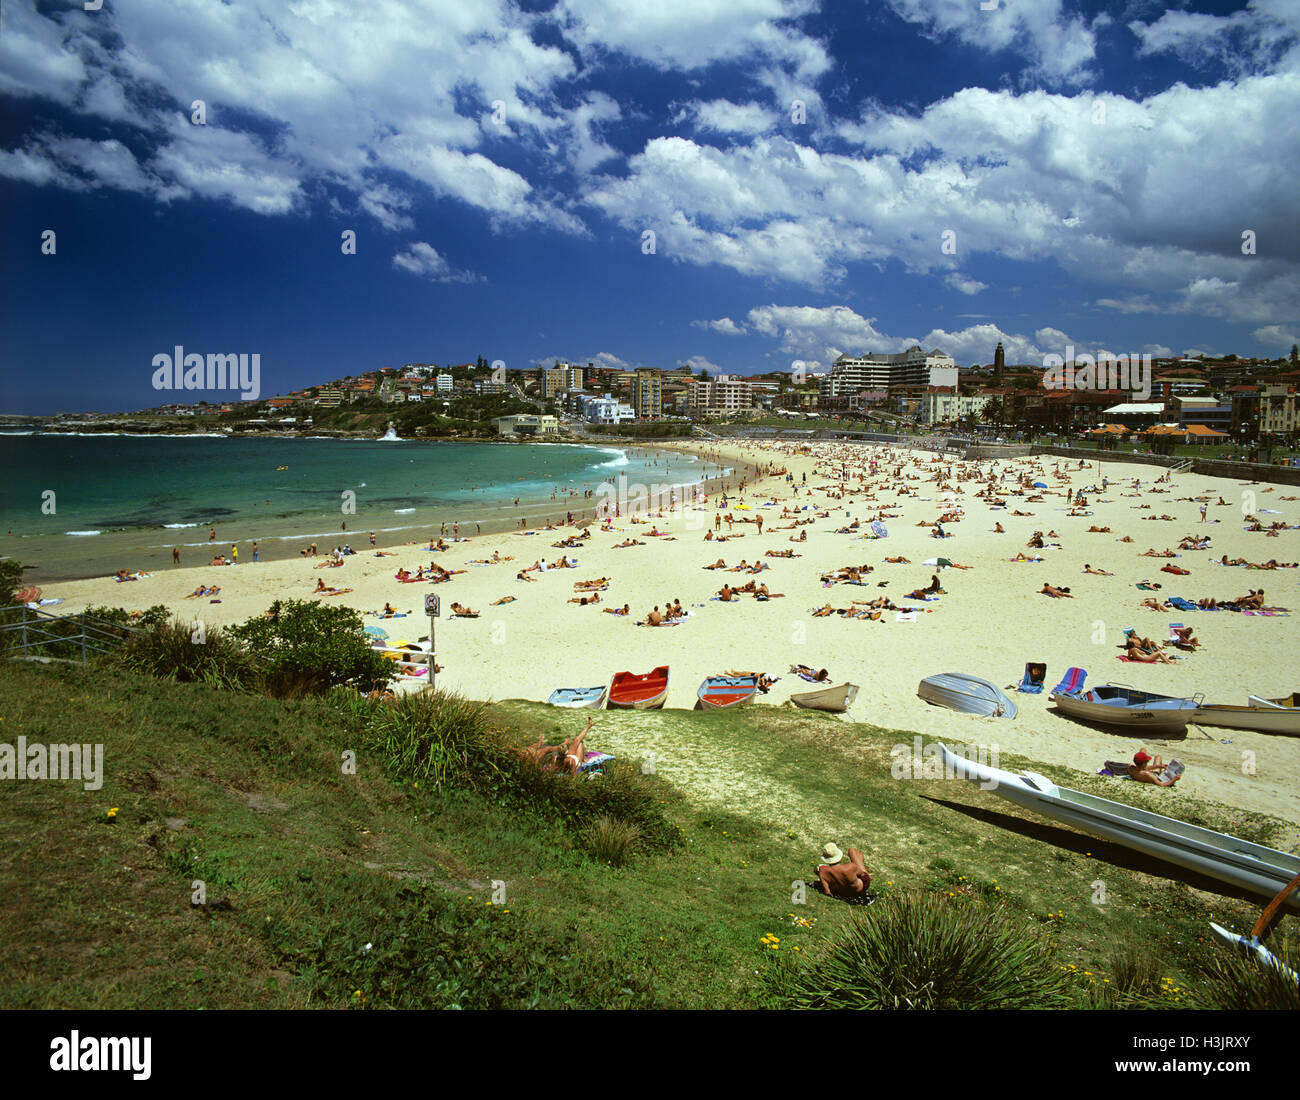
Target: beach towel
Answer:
[[594, 760], [1071, 683], [1182, 604], [878, 529]]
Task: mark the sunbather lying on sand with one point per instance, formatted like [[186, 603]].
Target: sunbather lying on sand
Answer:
[[1096, 572], [503, 599], [898, 561], [624, 610], [819, 676], [584, 600], [1055, 593], [463, 612]]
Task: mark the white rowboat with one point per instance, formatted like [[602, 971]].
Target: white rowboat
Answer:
[[834, 699], [1239, 863]]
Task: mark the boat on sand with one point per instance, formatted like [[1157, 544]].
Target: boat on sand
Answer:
[[592, 697], [966, 694], [1261, 715], [834, 699], [630, 691], [1128, 708], [726, 692], [1240, 863]]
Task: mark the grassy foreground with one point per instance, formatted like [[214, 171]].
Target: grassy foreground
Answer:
[[325, 888]]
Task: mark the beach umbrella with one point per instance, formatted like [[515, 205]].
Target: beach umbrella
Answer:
[[1040, 485], [940, 562]]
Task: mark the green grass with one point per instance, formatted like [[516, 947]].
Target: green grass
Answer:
[[313, 840]]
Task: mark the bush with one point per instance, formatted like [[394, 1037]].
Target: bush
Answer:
[[181, 651], [612, 841], [435, 738], [304, 648], [919, 950]]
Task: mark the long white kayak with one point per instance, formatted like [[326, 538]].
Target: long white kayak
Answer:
[[1240, 863]]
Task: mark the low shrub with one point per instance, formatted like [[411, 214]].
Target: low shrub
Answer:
[[1232, 981], [188, 653], [919, 950], [305, 648]]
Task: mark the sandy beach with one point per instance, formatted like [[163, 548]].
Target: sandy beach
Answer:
[[991, 619]]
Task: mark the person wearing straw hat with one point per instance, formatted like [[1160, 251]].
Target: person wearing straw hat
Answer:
[[838, 879]]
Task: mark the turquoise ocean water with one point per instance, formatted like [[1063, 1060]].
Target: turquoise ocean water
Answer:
[[89, 505]]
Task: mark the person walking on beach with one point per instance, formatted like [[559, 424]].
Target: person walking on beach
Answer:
[[212, 535], [1204, 508], [372, 540], [176, 555], [255, 552], [234, 554]]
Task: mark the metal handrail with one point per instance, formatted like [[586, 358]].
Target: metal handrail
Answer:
[[92, 635]]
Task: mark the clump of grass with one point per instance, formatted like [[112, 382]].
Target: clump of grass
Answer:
[[1232, 981], [435, 738], [188, 653], [916, 950], [612, 841]]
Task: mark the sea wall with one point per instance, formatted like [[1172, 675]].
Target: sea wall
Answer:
[[1210, 467]]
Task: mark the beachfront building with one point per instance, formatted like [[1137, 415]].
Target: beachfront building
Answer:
[[606, 410], [913, 368], [1135, 414], [647, 394], [443, 382], [1277, 411], [1209, 412], [943, 404], [526, 424], [720, 396]]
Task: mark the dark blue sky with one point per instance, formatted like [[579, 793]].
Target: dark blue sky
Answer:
[[1093, 168]]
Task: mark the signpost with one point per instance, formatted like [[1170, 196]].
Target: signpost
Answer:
[[432, 608]]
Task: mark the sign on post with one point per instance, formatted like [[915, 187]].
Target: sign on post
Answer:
[[432, 608]]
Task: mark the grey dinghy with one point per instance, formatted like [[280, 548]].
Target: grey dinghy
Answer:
[[967, 694], [1252, 867]]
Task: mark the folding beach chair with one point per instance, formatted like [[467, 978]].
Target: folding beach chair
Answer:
[[1174, 628], [1071, 682], [1034, 678]]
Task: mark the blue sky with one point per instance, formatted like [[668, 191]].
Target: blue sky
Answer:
[[819, 178]]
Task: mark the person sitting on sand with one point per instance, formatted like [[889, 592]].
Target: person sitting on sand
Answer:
[[1055, 593], [934, 585], [1146, 770], [655, 618], [998, 529], [837, 879], [1144, 650], [1035, 541], [389, 611], [725, 593], [1183, 638]]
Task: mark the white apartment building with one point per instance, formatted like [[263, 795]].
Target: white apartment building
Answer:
[[913, 367], [444, 383], [606, 410], [937, 406]]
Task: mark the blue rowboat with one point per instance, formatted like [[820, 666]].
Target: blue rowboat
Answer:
[[723, 692], [592, 697]]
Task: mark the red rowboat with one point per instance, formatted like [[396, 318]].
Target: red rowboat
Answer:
[[628, 691]]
